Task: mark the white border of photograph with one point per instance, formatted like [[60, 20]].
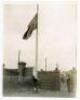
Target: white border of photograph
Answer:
[[2, 47]]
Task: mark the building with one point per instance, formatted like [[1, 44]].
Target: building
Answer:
[[50, 79]]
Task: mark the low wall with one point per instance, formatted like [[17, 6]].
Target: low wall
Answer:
[[49, 80]]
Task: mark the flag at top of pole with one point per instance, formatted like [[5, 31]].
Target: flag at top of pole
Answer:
[[31, 27]]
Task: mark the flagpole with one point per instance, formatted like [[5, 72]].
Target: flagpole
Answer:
[[19, 53], [36, 57]]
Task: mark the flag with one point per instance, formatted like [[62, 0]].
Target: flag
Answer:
[[31, 27]]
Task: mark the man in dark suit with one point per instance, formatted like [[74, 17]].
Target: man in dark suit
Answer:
[[35, 83]]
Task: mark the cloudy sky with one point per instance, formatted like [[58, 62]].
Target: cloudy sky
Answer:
[[56, 34]]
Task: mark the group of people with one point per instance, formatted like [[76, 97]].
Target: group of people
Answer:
[[68, 81]]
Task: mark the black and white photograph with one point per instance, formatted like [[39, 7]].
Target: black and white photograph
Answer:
[[40, 54]]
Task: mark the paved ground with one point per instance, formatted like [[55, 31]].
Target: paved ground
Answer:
[[29, 92], [11, 88]]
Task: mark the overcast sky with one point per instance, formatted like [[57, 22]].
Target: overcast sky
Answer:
[[56, 35]]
